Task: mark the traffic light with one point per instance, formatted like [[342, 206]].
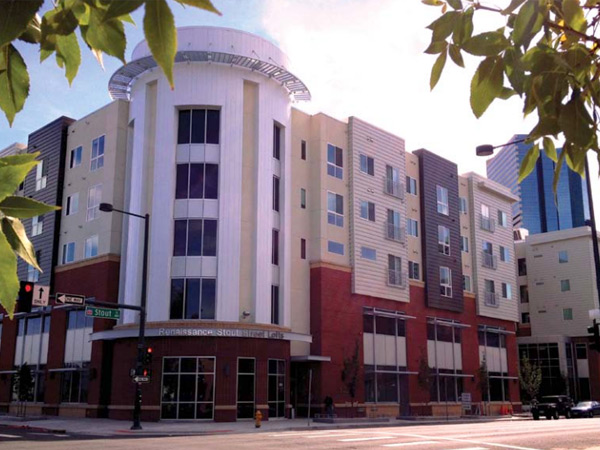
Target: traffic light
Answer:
[[594, 330], [25, 296], [147, 358], [146, 372]]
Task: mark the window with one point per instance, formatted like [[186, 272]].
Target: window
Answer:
[[490, 293], [302, 248], [395, 271], [197, 181], [91, 247], [276, 388], [567, 313], [502, 219], [72, 204], [78, 353], [444, 339], [37, 225], [492, 350], [367, 164], [275, 305], [565, 285], [368, 253], [393, 186], [195, 237], [188, 388], [462, 205], [412, 227], [246, 387], [414, 270], [524, 293], [445, 282], [302, 198], [486, 223], [442, 200], [276, 141], [94, 199], [75, 157], [467, 283], [303, 150], [393, 228], [507, 291], [41, 171], [464, 244], [335, 247], [97, 160], [504, 254], [198, 126], [367, 210], [335, 209], [193, 298], [563, 257], [31, 348], [275, 247], [335, 162], [581, 351], [443, 240], [489, 260], [32, 273], [68, 255], [525, 318], [522, 264], [411, 185], [276, 194]]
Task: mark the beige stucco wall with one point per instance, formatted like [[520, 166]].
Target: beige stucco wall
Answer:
[[465, 230], [413, 211]]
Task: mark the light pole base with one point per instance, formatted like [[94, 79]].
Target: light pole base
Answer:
[[136, 426]]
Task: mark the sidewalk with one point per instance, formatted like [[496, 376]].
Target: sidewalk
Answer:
[[111, 428]]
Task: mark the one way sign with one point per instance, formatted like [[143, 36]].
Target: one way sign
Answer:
[[41, 295], [70, 298]]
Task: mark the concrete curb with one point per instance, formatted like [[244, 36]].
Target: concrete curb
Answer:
[[36, 429]]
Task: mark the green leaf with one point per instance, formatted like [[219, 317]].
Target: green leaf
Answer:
[[557, 170], [436, 47], [68, 55], [575, 158], [12, 176], [550, 149], [514, 4], [159, 28], [15, 234], [486, 84], [107, 36], [528, 23], [432, 2], [118, 9], [463, 29], [16, 160], [24, 208], [455, 55], [33, 32], [208, 6], [575, 122], [514, 68], [455, 4], [443, 26], [486, 44], [528, 163], [9, 282], [14, 82], [573, 15], [506, 93], [436, 70], [16, 16]]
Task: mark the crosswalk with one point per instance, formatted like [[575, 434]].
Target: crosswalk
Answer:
[[10, 436]]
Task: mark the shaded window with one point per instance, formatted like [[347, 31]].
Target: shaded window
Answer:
[[276, 141], [335, 209], [195, 237], [197, 181], [335, 247], [367, 165], [522, 264], [367, 210], [198, 126], [213, 125], [302, 198], [275, 248], [442, 200], [565, 285], [275, 194], [75, 157], [368, 253], [193, 298], [563, 257], [303, 150], [335, 161], [183, 132], [414, 270], [275, 305], [302, 248], [97, 158], [411, 185]]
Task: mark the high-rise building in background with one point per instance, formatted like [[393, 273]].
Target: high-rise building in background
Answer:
[[537, 210]]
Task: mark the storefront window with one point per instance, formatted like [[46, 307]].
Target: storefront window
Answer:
[[444, 355], [276, 388], [78, 352], [246, 373]]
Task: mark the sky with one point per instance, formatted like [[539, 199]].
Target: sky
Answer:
[[360, 58]]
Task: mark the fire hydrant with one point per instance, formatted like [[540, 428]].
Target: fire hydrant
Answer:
[[257, 418]]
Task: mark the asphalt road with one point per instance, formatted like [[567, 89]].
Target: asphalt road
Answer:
[[564, 434]]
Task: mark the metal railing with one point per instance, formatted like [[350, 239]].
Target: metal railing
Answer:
[[396, 277], [488, 260], [491, 298], [393, 187], [394, 232], [487, 223]]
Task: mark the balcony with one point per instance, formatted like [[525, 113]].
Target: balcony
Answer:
[[491, 299], [396, 278], [393, 188], [487, 224], [488, 260], [394, 232]]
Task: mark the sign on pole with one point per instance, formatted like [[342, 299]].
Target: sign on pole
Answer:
[[141, 379], [70, 298], [102, 313], [466, 401], [41, 295]]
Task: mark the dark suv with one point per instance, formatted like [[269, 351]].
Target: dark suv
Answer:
[[552, 406]]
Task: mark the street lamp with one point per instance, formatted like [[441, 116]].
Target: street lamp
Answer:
[[137, 406]]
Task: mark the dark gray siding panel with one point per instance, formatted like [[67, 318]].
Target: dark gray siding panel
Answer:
[[435, 171], [50, 141]]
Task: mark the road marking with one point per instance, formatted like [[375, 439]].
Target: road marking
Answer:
[[469, 448], [312, 433], [469, 441], [406, 444], [330, 435], [366, 439], [10, 436]]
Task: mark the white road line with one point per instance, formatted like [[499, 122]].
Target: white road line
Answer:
[[468, 448], [407, 444], [10, 436], [366, 439], [469, 441], [312, 433], [330, 435]]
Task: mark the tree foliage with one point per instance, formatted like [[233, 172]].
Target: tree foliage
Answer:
[[546, 52], [530, 378], [483, 380], [351, 372], [101, 25]]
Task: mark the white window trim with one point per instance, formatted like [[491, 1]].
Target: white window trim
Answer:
[[445, 246], [360, 211], [440, 202], [333, 164], [98, 156], [447, 286], [69, 210], [335, 213], [37, 225], [94, 207], [65, 252], [90, 241]]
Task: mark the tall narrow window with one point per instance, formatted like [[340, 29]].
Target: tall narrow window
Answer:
[[275, 305], [490, 293], [97, 159], [392, 184], [367, 164], [411, 185], [246, 374], [275, 248], [502, 219], [72, 204], [522, 267], [41, 171], [75, 159], [393, 229], [563, 257], [32, 273], [464, 244], [302, 248], [412, 227], [303, 150], [302, 198], [94, 199], [335, 161], [487, 223], [413, 270], [442, 200], [37, 225], [463, 209], [367, 210], [565, 285], [276, 194], [68, 255], [443, 240], [507, 291], [445, 282], [276, 388], [335, 209], [276, 141], [395, 270], [91, 247]]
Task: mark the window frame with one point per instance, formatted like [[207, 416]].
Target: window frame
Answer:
[[333, 169], [446, 288], [91, 240], [443, 206], [94, 208], [334, 217], [563, 256], [368, 167], [37, 225], [72, 199], [565, 287], [411, 186], [97, 160], [66, 251], [444, 240], [370, 210], [412, 225], [75, 157]]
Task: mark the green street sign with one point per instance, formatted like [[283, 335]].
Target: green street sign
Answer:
[[102, 313]]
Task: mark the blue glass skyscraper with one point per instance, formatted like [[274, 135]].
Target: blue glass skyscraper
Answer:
[[537, 209]]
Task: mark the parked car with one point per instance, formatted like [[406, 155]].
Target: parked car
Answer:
[[586, 409], [552, 407]]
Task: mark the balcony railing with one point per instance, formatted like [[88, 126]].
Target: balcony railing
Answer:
[[396, 278], [491, 299], [393, 187], [489, 261], [487, 224], [394, 232]]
